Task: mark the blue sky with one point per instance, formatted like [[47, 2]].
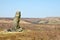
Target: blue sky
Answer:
[[30, 8]]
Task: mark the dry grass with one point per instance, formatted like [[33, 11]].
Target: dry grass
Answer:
[[33, 32], [32, 35]]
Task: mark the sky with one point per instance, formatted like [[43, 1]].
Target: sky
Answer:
[[30, 8]]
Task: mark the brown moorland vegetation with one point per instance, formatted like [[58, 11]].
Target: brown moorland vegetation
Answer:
[[31, 32]]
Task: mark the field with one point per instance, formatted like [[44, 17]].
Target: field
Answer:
[[31, 32]]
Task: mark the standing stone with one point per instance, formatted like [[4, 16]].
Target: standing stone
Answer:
[[16, 27]]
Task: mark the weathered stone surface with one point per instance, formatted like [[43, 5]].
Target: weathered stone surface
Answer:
[[16, 27]]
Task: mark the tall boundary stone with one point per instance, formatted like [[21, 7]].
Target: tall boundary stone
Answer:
[[15, 25]]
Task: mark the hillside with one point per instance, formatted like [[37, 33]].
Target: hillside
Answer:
[[31, 23], [33, 29], [47, 20]]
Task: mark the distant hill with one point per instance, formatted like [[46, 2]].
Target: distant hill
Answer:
[[47, 20]]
